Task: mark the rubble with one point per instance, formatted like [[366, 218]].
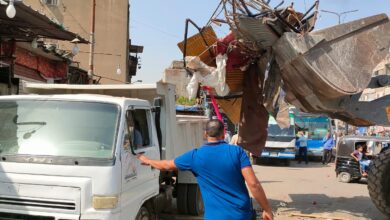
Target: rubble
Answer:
[[316, 71]]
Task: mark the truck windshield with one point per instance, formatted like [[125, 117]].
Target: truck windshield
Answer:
[[58, 128], [317, 126], [274, 130]]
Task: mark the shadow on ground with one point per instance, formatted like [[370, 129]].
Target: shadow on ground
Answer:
[[322, 205], [290, 164]]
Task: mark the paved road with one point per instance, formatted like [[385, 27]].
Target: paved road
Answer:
[[313, 189]]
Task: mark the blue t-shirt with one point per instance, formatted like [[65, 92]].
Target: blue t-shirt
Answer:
[[217, 168], [328, 142]]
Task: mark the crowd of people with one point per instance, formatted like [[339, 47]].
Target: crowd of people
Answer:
[[328, 143]]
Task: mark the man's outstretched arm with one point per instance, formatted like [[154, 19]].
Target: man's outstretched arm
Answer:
[[257, 191], [158, 164]]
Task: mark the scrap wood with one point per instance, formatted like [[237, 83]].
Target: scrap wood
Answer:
[[232, 108], [316, 216], [199, 44]]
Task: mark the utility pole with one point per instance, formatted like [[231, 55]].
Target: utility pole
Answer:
[[92, 42], [339, 14]]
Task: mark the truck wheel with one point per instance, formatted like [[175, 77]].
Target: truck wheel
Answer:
[[344, 177], [182, 198], [379, 182], [143, 214], [195, 200]]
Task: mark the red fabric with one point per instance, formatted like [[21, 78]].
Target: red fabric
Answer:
[[29, 73], [23, 57], [51, 68], [219, 116], [236, 58], [48, 68]]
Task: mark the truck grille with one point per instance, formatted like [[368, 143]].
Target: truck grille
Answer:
[[38, 203], [11, 216]]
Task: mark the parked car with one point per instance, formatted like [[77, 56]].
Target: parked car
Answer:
[[347, 168]]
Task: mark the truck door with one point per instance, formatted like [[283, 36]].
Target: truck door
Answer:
[[139, 182]]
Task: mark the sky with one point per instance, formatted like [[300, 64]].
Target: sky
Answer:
[[159, 25]]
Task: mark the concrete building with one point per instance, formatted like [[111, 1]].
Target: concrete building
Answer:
[[111, 52]]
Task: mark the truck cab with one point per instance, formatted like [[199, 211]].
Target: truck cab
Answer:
[[70, 152]]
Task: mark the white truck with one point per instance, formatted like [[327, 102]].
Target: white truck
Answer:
[[68, 152]]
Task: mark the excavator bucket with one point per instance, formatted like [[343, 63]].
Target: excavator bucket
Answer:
[[320, 69]]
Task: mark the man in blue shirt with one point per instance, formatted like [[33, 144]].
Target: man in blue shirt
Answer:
[[302, 144], [221, 170], [328, 143]]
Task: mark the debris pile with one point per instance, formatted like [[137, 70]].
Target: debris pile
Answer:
[[272, 57]]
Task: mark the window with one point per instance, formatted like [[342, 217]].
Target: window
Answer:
[[138, 127], [50, 2]]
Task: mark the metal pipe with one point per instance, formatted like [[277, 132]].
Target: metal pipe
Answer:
[[185, 43], [285, 22], [311, 8], [92, 41], [186, 39], [246, 8], [214, 13]]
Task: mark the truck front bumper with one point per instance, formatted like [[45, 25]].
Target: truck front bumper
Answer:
[[278, 155], [315, 152], [33, 215]]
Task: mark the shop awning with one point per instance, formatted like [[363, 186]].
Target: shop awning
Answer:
[[29, 24]]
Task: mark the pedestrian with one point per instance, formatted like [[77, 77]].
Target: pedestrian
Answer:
[[328, 144], [228, 137], [302, 150], [234, 139], [221, 170]]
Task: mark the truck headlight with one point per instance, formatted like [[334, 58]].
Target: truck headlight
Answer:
[[104, 202]]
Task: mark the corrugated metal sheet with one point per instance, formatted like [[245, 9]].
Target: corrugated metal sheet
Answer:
[[234, 79], [255, 30]]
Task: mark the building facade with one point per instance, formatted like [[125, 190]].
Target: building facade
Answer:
[[26, 53], [111, 48], [383, 68]]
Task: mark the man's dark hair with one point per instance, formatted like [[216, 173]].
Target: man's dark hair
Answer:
[[214, 128]]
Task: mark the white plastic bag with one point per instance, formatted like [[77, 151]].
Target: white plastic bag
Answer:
[[208, 76], [192, 87]]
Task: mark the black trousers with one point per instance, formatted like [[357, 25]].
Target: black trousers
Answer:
[[327, 156], [302, 153]]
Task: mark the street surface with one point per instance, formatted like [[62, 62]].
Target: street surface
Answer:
[[313, 189]]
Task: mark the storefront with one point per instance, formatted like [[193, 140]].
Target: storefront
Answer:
[[23, 58]]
